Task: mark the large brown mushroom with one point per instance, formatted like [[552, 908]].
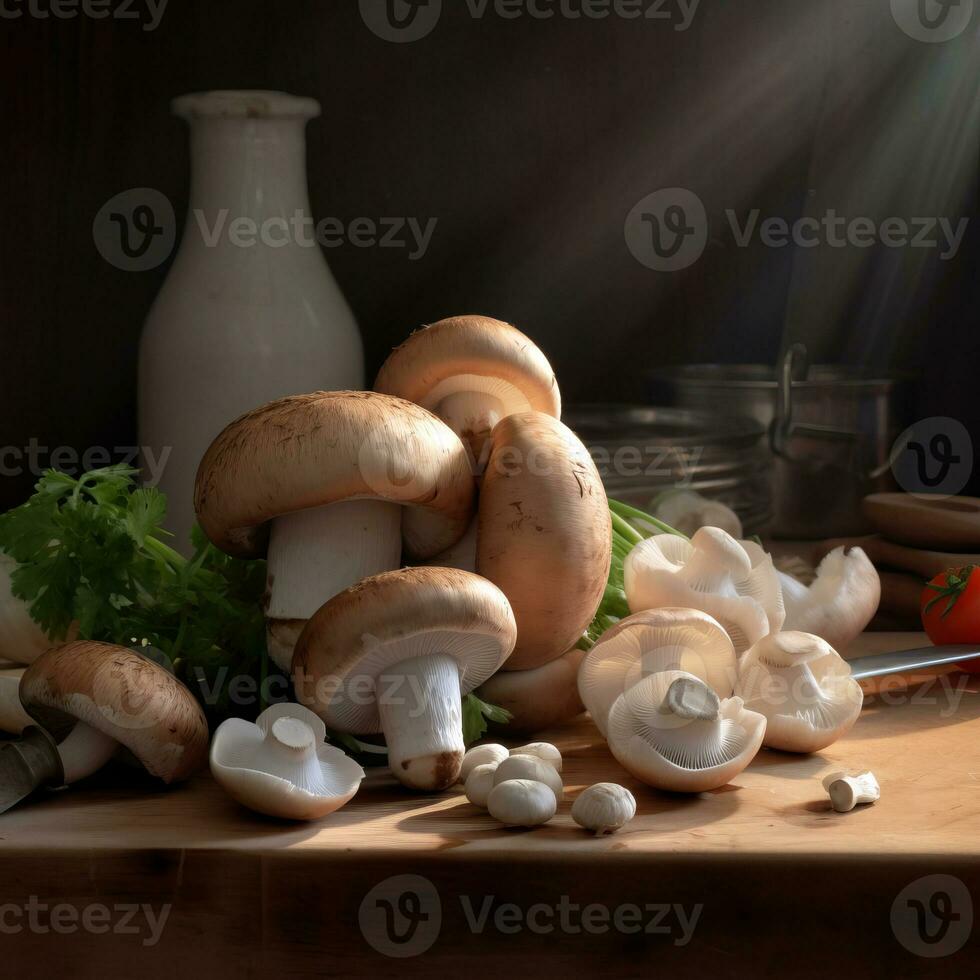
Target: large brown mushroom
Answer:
[[472, 371], [544, 535], [97, 697], [324, 478], [396, 653]]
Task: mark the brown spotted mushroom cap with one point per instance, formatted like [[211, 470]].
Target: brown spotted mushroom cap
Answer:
[[312, 450], [545, 534], [123, 695]]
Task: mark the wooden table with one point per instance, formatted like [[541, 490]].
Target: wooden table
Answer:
[[757, 879]]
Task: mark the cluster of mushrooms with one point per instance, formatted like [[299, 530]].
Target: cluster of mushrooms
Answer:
[[446, 533]]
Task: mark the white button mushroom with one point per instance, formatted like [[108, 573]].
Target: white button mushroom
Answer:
[[841, 601], [544, 751], [804, 689], [313, 474], [104, 696], [711, 572], [530, 767], [847, 791], [472, 371], [480, 755], [282, 766], [479, 784], [522, 803], [673, 732], [604, 808], [648, 642], [396, 653]]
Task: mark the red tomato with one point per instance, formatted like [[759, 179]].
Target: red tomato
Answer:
[[951, 609]]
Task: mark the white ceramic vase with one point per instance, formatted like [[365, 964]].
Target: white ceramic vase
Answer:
[[250, 311]]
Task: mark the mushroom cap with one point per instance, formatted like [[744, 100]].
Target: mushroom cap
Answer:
[[488, 754], [311, 450], [350, 642], [124, 695], [712, 572], [803, 687], [840, 602], [522, 803], [538, 698], [294, 786], [530, 767], [646, 642], [690, 752], [604, 808], [472, 353], [545, 534]]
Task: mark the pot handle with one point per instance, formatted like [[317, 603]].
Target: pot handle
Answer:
[[796, 363]]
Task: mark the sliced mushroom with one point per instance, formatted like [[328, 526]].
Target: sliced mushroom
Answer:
[[846, 791], [711, 572], [648, 642], [282, 766], [540, 698], [472, 371], [545, 534], [329, 473], [105, 696], [841, 601], [803, 687], [396, 653], [673, 732]]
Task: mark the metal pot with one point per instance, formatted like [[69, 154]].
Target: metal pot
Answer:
[[642, 451], [830, 428]]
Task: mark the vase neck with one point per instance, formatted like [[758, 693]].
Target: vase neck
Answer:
[[253, 168]]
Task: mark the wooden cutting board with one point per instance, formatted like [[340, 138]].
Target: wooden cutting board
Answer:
[[778, 883]]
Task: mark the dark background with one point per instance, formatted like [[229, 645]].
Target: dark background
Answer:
[[530, 141]]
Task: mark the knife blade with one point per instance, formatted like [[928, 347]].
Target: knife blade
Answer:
[[905, 661], [27, 764]]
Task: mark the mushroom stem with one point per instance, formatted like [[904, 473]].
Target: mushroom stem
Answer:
[[85, 751], [316, 554], [472, 416], [422, 718], [13, 718], [291, 739]]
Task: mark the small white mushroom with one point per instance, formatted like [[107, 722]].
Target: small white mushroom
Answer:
[[479, 784], [688, 511], [804, 689], [604, 808], [841, 601], [544, 751], [712, 572], [530, 767], [673, 732], [648, 642], [847, 791], [480, 755], [522, 803], [282, 766]]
